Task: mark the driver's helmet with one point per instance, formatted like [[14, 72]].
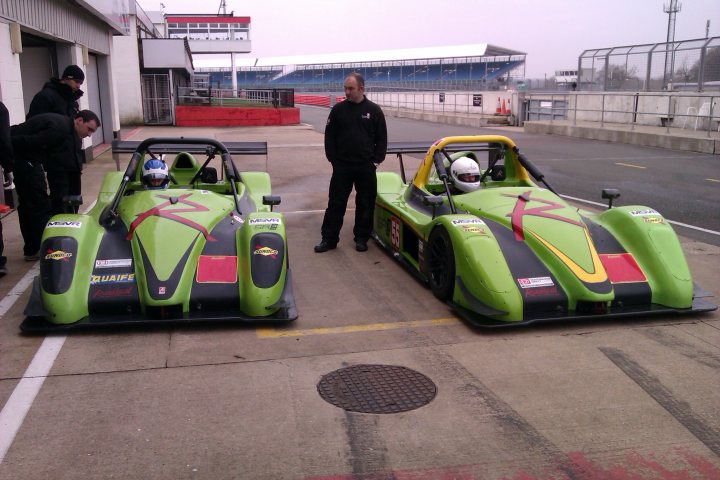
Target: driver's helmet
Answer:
[[155, 174], [465, 174]]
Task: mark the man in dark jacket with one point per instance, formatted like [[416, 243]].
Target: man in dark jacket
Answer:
[[6, 161], [59, 95], [53, 141], [355, 143]]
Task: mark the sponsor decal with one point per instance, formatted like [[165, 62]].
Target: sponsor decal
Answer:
[[654, 220], [112, 278], [467, 221], [265, 251], [622, 268], [471, 229], [114, 263], [58, 255], [216, 269], [644, 213], [116, 292], [540, 291], [264, 221], [238, 219], [395, 232], [64, 224], [535, 282], [161, 290]]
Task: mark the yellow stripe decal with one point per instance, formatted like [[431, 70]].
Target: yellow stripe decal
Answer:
[[598, 274], [372, 327]]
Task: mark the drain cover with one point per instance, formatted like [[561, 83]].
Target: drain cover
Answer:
[[377, 389]]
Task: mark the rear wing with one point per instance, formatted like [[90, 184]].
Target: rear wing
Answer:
[[234, 148]]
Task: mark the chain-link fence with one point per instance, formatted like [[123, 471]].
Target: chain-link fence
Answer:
[[688, 65]]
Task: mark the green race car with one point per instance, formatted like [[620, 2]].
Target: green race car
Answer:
[[508, 252], [171, 242]]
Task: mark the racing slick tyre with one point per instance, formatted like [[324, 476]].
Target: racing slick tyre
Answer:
[[441, 262]]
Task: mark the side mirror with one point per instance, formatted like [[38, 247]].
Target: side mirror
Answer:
[[71, 203], [271, 200], [610, 194]]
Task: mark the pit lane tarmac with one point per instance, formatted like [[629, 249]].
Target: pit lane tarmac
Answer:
[[633, 399]]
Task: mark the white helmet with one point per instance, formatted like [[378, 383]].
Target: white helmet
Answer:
[[465, 174], [155, 174]]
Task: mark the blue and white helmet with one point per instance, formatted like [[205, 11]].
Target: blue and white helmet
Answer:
[[155, 174]]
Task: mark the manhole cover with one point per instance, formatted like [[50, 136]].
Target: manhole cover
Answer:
[[377, 389]]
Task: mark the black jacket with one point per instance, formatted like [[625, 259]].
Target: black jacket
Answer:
[[6, 153], [55, 97], [48, 138], [355, 134]]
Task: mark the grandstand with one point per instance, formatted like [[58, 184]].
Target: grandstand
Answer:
[[463, 67]]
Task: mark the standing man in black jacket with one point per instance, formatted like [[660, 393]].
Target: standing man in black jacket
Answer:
[[53, 141], [59, 95], [6, 162], [355, 143]]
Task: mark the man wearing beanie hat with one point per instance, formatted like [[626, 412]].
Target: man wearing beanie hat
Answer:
[[59, 95]]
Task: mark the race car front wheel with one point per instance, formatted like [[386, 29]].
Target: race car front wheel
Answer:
[[441, 262]]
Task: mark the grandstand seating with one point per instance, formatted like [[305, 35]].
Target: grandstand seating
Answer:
[[405, 76]]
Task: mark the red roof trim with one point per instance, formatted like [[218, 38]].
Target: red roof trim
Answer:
[[209, 19]]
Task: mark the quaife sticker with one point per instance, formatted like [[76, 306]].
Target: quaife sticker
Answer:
[[467, 221], [64, 224], [535, 282], [644, 213], [114, 278], [264, 221], [113, 263]]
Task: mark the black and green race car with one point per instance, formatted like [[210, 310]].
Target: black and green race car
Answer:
[[208, 247], [513, 253]]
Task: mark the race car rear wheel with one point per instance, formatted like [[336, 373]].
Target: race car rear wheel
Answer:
[[441, 263]]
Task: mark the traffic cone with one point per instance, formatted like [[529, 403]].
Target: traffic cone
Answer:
[[498, 109], [503, 110]]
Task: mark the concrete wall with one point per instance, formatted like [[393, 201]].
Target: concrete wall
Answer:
[[125, 62], [643, 108], [11, 90]]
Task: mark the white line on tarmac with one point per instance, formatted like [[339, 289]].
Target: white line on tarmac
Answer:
[[16, 408], [693, 227]]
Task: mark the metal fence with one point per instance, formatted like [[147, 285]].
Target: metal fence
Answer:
[[157, 104], [677, 110], [688, 65], [268, 97]]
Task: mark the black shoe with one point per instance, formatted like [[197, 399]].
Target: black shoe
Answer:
[[324, 246], [361, 246]]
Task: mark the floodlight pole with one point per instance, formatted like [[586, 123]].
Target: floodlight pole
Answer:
[[672, 11]]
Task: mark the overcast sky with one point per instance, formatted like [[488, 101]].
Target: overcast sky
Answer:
[[553, 33]]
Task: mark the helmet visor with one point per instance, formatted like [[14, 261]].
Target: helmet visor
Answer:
[[468, 177]]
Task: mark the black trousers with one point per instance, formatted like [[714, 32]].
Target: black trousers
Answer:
[[363, 178], [61, 185], [33, 203]]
